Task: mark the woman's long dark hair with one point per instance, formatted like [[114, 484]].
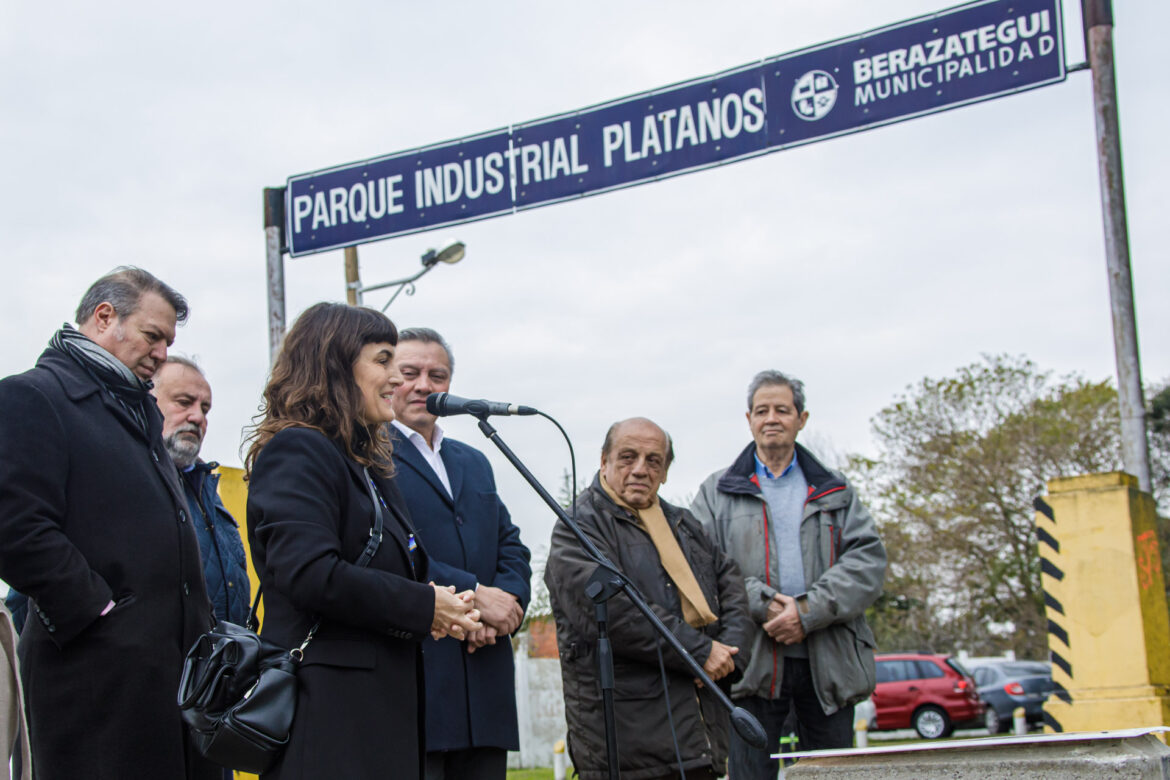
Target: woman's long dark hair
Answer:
[[312, 384]]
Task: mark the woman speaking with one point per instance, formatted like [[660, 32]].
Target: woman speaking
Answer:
[[319, 476]]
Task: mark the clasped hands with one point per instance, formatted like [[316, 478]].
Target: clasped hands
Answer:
[[477, 616], [783, 620], [455, 613], [782, 624]]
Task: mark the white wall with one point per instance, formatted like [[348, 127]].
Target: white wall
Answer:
[[540, 708]]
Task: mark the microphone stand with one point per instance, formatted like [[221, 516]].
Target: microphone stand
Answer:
[[605, 583]]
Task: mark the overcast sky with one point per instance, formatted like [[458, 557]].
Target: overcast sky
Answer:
[[139, 133]]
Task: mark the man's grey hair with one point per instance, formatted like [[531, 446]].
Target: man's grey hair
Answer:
[[772, 377], [179, 360], [428, 336], [607, 445], [123, 289]]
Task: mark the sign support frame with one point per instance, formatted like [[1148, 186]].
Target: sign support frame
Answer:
[[1097, 19]]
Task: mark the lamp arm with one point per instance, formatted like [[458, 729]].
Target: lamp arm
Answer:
[[403, 282]]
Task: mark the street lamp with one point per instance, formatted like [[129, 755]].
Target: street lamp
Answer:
[[451, 252]]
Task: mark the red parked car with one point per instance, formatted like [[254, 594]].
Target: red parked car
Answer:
[[929, 693]]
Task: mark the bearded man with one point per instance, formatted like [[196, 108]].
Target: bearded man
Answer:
[[184, 398]]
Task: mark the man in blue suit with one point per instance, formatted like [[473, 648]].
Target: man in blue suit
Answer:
[[472, 544]]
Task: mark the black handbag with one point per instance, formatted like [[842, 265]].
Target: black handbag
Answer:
[[238, 691]]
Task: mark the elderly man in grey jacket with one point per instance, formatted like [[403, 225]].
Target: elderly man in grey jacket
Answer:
[[812, 563]]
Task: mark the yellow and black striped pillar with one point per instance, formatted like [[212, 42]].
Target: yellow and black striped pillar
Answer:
[[1108, 626]]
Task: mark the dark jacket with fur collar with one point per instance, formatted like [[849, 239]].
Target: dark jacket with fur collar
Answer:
[[644, 737]]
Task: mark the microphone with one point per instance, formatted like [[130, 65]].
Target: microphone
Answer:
[[749, 728], [445, 405]]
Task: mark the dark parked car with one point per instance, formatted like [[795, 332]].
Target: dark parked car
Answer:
[[931, 693], [1005, 685]]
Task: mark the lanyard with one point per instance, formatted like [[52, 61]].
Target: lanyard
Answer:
[[411, 542]]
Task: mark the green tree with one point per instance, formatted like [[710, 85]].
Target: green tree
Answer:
[[1159, 420], [961, 459]]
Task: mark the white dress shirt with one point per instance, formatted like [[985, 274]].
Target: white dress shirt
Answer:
[[431, 456]]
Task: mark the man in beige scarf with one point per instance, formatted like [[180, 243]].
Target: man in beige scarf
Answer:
[[696, 591]]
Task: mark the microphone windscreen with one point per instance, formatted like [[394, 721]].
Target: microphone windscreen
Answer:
[[749, 728]]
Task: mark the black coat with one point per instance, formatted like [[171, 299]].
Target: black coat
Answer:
[[360, 686], [91, 511], [471, 697], [643, 732]]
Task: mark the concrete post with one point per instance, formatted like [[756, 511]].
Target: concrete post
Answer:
[[559, 760], [861, 733], [1019, 721], [1108, 627]]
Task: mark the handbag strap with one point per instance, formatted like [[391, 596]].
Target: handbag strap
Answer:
[[250, 623], [375, 540], [372, 545]]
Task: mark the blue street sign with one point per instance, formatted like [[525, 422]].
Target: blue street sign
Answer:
[[958, 56], [666, 132], [402, 193]]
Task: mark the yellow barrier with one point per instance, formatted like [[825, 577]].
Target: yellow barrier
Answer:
[[1108, 626], [233, 491]]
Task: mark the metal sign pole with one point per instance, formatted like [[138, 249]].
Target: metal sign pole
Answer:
[[275, 247], [1098, 21]]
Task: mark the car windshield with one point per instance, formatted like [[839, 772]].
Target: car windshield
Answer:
[[1025, 669], [958, 667]]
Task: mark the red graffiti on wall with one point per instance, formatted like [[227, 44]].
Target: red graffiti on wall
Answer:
[[1148, 557]]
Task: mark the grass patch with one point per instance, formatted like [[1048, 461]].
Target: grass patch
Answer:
[[530, 774]]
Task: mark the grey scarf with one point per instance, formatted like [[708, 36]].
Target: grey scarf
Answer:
[[112, 374]]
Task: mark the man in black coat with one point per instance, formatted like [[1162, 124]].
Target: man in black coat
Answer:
[[473, 545], [94, 527], [184, 398], [695, 590]]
